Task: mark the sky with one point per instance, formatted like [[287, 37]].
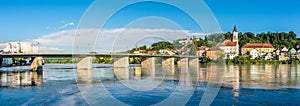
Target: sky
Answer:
[[39, 20]]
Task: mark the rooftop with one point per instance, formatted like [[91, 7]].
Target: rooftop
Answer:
[[228, 43], [258, 45]]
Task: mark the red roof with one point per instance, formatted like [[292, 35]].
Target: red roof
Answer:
[[258, 45], [228, 43]]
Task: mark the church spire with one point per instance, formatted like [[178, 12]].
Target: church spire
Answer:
[[235, 34], [235, 29]]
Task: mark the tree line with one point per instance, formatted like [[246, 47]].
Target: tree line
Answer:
[[277, 39]]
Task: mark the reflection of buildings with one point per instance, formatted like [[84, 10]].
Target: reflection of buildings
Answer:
[[12, 79], [232, 75], [185, 76], [254, 76]]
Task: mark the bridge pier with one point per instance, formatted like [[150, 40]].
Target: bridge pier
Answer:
[[85, 63], [121, 67], [148, 66], [121, 61], [168, 65]]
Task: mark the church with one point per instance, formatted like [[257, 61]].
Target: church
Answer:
[[231, 47]]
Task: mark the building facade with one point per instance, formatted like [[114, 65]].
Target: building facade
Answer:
[[214, 53], [260, 47]]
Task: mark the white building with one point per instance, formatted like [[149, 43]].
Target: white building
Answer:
[[254, 53], [20, 47], [185, 41]]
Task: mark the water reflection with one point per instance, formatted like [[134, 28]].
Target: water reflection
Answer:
[[84, 76], [122, 73], [23, 78], [262, 76], [142, 86]]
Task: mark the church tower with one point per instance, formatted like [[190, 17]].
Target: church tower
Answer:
[[235, 38]]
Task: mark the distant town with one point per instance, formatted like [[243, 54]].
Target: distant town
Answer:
[[228, 47]]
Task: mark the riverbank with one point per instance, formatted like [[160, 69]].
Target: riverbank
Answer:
[[247, 60]]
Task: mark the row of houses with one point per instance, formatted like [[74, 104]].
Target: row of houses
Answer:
[[261, 51], [230, 49]]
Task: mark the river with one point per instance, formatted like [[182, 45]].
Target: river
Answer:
[[63, 84]]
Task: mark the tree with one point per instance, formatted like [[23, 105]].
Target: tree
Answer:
[[248, 53], [193, 50], [162, 45], [201, 42]]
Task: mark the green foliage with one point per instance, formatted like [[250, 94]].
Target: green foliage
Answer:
[[193, 50], [282, 39], [103, 60], [201, 42], [136, 60], [162, 44], [59, 60], [277, 39], [248, 60], [205, 60], [215, 37], [141, 48]]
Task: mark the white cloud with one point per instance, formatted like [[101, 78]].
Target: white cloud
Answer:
[[61, 27], [108, 40], [67, 25]]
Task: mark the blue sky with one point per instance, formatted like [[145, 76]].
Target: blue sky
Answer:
[[30, 19]]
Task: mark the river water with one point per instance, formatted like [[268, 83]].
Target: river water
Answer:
[[216, 85]]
